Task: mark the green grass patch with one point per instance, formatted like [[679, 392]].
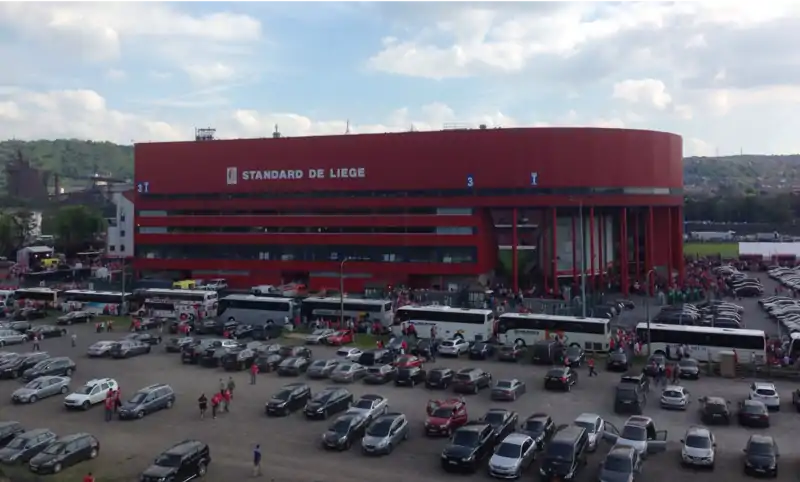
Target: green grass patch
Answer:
[[726, 250]]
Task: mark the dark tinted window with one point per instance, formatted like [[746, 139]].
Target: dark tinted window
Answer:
[[761, 448], [560, 451], [698, 442], [556, 373], [634, 432], [466, 438], [618, 463], [535, 425]]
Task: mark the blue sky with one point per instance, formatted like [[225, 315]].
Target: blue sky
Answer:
[[726, 76]]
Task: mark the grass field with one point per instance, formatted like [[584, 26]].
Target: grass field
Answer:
[[726, 250]]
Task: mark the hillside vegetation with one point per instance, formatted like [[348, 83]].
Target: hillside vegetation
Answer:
[[734, 174]]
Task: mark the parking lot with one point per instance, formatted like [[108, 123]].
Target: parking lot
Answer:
[[291, 445]]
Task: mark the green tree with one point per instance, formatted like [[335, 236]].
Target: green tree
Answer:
[[74, 227], [15, 229]]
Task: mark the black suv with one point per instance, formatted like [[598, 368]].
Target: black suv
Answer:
[[191, 353], [184, 461], [715, 411], [147, 400], [565, 455], [629, 398], [439, 378], [329, 401], [409, 376], [471, 380], [58, 366], [469, 447], [761, 456], [639, 379], [503, 422], [344, 431], [290, 398], [15, 365], [562, 378], [540, 427], [238, 358], [65, 452]]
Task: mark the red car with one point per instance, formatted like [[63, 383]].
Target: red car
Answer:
[[408, 361], [341, 337], [444, 416]]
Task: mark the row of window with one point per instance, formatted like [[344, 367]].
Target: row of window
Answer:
[[374, 254], [442, 193], [304, 230], [410, 211]]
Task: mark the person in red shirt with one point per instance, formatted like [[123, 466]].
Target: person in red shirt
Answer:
[[88, 477], [226, 398], [117, 401], [253, 373], [403, 347], [109, 406], [215, 400], [226, 334]]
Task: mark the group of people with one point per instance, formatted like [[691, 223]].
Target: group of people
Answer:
[[220, 401], [104, 326], [112, 403]]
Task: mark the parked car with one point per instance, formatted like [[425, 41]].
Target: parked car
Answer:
[[92, 393], [100, 349], [288, 399], [508, 389], [129, 348], [65, 452], [26, 445], [62, 366], [321, 368], [327, 402], [342, 432], [183, 461], [439, 378], [380, 375], [15, 365], [46, 331], [11, 337], [41, 387], [146, 401], [75, 317]]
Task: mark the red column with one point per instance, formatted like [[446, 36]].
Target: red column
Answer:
[[543, 254], [601, 246], [623, 251], [591, 247], [574, 253], [637, 275], [679, 244], [554, 241], [649, 247], [514, 254], [670, 242]]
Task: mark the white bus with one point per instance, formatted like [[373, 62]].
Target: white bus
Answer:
[[180, 304], [315, 308], [705, 343], [36, 297], [256, 310], [591, 334], [112, 303], [450, 322]]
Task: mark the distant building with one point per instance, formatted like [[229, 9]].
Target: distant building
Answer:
[[119, 237]]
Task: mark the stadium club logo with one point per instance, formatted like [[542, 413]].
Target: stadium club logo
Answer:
[[234, 175]]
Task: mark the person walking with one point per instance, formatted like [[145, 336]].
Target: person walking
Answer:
[[215, 405], [590, 364], [222, 386], [253, 373], [257, 461], [109, 406], [202, 404], [667, 374], [36, 339], [226, 400], [231, 386], [74, 339]]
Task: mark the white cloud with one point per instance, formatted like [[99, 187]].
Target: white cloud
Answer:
[[643, 91], [116, 74], [210, 73]]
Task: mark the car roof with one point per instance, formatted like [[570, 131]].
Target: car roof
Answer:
[[621, 450], [372, 396], [467, 370], [154, 386], [34, 432], [74, 436], [755, 403], [184, 446], [388, 416], [699, 431], [716, 400], [292, 386], [473, 427], [498, 410], [516, 438], [763, 385], [440, 369], [674, 387], [638, 420], [758, 438], [537, 415], [587, 417]]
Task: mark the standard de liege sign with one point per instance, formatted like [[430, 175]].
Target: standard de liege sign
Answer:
[[295, 174]]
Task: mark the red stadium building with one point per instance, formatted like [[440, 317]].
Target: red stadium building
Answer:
[[423, 209]]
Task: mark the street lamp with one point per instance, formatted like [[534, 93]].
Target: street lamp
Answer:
[[341, 292], [647, 310]]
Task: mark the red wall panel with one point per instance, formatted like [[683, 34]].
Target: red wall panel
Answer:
[[310, 221], [310, 239], [562, 157]]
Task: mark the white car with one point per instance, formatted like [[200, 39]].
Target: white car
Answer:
[[94, 392], [349, 353], [594, 425], [454, 347], [674, 397], [319, 336], [766, 394], [698, 447], [370, 406], [512, 456]]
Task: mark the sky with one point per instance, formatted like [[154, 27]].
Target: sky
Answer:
[[724, 75]]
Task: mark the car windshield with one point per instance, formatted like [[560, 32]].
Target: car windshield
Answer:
[[138, 398], [442, 413], [494, 418], [464, 377], [435, 374], [319, 332], [375, 370], [698, 442], [714, 407], [322, 396], [507, 349], [765, 392], [465, 438], [86, 389], [344, 368], [634, 432], [618, 463], [405, 372], [288, 362], [479, 346], [283, 395], [535, 425], [504, 384], [34, 384], [41, 364], [54, 449], [341, 426], [319, 364], [17, 443], [589, 426], [559, 451], [673, 394], [169, 460], [509, 450], [365, 404], [754, 408], [760, 448], [556, 373], [379, 429]]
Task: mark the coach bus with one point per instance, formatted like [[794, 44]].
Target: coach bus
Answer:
[[256, 310], [36, 297], [591, 334], [705, 343], [314, 308], [113, 303], [469, 324], [180, 304]]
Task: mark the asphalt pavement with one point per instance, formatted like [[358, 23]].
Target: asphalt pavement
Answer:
[[291, 444]]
